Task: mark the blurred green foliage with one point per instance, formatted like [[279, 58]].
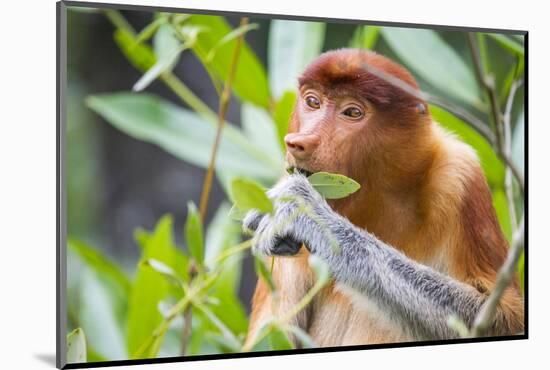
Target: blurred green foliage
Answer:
[[141, 313]]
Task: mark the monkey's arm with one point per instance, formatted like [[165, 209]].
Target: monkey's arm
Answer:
[[417, 298]]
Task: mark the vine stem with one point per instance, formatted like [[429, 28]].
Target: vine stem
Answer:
[[505, 275], [224, 104]]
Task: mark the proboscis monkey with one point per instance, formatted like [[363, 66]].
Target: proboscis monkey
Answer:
[[420, 240]]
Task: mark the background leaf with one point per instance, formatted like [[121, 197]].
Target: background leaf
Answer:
[[140, 55], [508, 43], [428, 55], [167, 50], [247, 194], [260, 129], [76, 346], [274, 338], [365, 37], [193, 234], [99, 262], [518, 139], [492, 166], [282, 113], [149, 287], [99, 302], [250, 81], [102, 290], [184, 134], [291, 46]]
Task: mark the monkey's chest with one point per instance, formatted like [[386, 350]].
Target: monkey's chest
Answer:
[[342, 317]]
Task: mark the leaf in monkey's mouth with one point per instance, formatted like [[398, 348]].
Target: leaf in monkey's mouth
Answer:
[[293, 169]]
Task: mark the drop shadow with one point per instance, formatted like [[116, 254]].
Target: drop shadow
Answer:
[[47, 358]]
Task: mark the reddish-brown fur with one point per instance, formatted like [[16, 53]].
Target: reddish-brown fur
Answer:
[[422, 191]]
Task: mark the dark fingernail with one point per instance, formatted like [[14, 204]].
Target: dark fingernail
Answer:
[[286, 246]]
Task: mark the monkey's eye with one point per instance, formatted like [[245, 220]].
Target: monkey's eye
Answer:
[[353, 112], [313, 102]]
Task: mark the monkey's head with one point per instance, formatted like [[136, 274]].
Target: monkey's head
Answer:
[[349, 120]]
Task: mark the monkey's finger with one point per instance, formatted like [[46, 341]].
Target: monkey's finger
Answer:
[[251, 221]]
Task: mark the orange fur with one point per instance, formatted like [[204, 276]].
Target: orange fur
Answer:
[[422, 191]]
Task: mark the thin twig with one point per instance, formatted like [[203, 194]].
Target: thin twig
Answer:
[[508, 179], [488, 85], [224, 103], [485, 317], [187, 315]]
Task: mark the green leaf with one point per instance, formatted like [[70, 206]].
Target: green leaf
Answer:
[[222, 234], [184, 134], [165, 42], [292, 45], [79, 9], [500, 203], [491, 164], [76, 346], [264, 274], [508, 43], [234, 34], [260, 129], [102, 311], [279, 340], [518, 143], [333, 186], [322, 271], [100, 263], [149, 288], [247, 195], [167, 50], [146, 33], [193, 234], [521, 270], [141, 56], [237, 214], [282, 113], [428, 55], [365, 37], [162, 269], [273, 338], [230, 338], [250, 81]]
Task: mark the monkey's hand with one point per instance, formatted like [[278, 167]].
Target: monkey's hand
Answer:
[[299, 212]]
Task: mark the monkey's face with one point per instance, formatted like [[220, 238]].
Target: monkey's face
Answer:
[[327, 130], [349, 121]]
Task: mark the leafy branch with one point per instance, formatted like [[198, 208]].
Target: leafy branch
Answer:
[[503, 146], [224, 103]]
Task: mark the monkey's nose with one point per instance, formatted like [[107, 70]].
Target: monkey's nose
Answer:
[[301, 146]]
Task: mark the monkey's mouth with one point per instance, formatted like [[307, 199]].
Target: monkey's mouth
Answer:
[[293, 169]]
